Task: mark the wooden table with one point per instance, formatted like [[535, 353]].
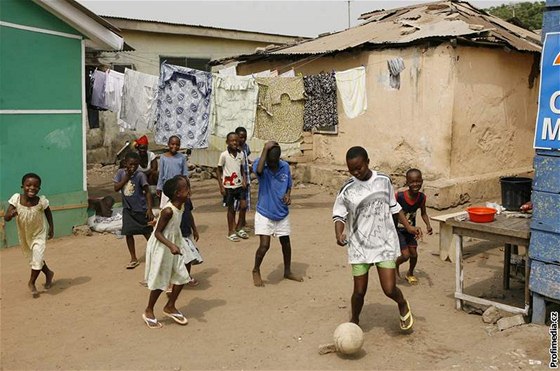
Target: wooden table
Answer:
[[509, 231]]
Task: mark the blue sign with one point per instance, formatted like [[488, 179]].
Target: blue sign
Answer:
[[547, 131]]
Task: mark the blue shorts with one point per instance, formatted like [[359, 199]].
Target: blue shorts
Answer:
[[406, 239]]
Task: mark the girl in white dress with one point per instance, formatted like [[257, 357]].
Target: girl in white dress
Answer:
[[164, 261], [35, 225]]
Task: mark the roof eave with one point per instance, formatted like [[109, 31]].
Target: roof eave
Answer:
[[85, 23]]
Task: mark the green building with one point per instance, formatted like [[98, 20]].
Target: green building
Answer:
[[42, 103]]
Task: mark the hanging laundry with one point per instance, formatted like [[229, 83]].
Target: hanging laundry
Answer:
[[113, 90], [98, 90], [320, 107], [265, 73], [234, 103], [396, 66], [289, 73], [228, 71], [138, 108], [183, 106], [280, 109], [351, 85]]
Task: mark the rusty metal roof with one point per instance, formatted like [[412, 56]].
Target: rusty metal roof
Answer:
[[451, 19]]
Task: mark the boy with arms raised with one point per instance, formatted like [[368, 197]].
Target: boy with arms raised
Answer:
[[271, 218]]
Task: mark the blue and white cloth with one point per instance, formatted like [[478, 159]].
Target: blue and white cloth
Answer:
[[183, 106]]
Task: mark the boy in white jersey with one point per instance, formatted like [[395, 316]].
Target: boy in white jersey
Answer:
[[364, 208]]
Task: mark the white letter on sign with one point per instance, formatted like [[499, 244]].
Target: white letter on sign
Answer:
[[548, 132], [553, 107]]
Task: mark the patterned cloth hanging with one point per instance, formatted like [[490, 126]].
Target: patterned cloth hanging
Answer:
[[320, 107], [183, 106], [280, 109]]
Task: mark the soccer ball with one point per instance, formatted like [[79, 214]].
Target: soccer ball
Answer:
[[348, 338]]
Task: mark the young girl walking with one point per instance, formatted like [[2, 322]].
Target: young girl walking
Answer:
[[35, 225], [171, 163], [164, 263]]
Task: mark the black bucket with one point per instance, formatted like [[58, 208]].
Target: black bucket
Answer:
[[515, 192]]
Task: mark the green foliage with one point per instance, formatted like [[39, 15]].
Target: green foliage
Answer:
[[526, 14]]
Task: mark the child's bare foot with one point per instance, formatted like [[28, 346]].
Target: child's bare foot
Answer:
[[257, 280], [33, 290], [49, 282], [293, 277]]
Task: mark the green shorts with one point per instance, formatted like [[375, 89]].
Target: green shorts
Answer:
[[363, 268]]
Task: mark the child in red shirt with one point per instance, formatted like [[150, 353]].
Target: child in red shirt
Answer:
[[411, 200]]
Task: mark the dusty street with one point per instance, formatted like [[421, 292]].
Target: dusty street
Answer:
[[91, 317]]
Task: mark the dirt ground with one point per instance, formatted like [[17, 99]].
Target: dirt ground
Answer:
[[91, 317]]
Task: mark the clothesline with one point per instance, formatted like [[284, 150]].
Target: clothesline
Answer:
[[179, 102]]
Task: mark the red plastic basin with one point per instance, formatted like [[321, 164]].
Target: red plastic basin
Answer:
[[479, 214]]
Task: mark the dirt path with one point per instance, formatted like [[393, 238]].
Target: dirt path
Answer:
[[91, 318]]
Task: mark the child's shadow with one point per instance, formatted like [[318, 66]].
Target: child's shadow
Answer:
[[385, 316], [277, 275], [59, 285], [197, 308]]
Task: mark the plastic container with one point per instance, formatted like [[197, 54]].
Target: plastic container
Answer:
[[480, 214], [515, 192]]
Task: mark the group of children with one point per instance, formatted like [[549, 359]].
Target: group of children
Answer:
[[377, 225]]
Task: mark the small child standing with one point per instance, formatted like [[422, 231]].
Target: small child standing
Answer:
[[244, 147], [411, 200], [164, 263], [35, 225], [191, 255], [137, 203], [232, 183], [171, 163], [271, 218]]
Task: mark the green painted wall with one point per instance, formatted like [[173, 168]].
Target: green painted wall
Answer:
[[41, 72], [27, 13]]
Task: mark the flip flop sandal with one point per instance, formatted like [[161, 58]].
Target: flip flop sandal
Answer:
[[233, 237], [407, 317], [177, 317], [412, 280], [133, 264], [193, 283], [241, 233], [151, 322]]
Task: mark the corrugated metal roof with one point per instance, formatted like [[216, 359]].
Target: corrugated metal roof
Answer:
[[109, 17], [401, 26]]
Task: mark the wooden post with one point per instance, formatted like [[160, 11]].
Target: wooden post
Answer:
[[458, 270], [507, 261]]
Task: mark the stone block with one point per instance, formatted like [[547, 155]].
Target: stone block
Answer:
[[97, 156], [509, 322], [94, 138], [81, 230], [491, 315]]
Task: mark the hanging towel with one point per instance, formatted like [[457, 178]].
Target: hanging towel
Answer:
[[113, 90], [280, 109], [396, 66], [352, 89], [320, 109], [138, 108], [98, 91], [183, 106], [289, 73], [228, 71], [265, 73], [234, 103]]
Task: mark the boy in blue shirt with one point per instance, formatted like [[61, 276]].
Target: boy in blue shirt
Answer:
[[271, 218]]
